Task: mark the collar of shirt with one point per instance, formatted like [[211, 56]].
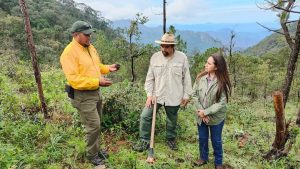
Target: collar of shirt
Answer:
[[210, 80]]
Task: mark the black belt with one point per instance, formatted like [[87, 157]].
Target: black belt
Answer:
[[86, 90], [70, 90]]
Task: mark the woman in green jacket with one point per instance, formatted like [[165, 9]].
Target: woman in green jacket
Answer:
[[210, 96]]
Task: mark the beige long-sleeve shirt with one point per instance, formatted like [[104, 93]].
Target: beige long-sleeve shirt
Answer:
[[168, 78]]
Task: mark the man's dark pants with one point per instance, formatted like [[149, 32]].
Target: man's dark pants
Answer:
[[146, 121]]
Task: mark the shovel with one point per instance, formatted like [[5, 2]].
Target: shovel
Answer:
[[150, 158]]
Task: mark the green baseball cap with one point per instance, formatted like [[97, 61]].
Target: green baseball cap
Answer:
[[81, 26]]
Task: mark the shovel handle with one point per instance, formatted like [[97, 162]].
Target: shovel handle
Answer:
[[153, 124]]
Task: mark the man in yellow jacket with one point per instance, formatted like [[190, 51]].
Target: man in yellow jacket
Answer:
[[83, 69]]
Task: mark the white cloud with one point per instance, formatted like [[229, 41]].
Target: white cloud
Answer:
[[115, 10], [186, 7], [112, 11], [238, 13], [181, 11]]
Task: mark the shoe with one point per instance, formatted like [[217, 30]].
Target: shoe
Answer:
[[97, 161], [219, 167], [199, 163], [172, 144], [141, 146], [103, 154]]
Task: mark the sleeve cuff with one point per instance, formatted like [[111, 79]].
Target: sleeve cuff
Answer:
[[95, 81], [186, 96], [206, 112], [104, 69]]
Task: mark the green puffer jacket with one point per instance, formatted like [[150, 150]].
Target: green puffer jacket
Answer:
[[205, 98]]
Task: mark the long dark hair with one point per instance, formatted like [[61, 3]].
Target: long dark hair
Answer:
[[222, 75]]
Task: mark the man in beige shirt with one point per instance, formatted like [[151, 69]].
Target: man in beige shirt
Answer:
[[168, 81]]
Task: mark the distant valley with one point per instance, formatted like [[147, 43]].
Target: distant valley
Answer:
[[200, 37]]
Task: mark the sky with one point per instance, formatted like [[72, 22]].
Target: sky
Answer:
[[185, 11]]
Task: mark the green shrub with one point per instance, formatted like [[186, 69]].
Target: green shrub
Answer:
[[8, 97], [123, 104]]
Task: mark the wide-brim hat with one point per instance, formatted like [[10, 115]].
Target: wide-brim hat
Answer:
[[167, 39], [81, 26]]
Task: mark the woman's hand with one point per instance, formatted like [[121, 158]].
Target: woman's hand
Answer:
[[201, 113], [205, 119], [202, 116]]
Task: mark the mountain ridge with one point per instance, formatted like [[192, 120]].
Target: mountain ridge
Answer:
[[200, 37]]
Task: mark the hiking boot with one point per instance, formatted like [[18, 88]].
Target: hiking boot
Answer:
[[141, 146], [97, 161], [103, 154], [172, 144], [199, 163]]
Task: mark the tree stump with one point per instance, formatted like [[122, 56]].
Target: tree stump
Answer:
[[281, 130], [281, 137]]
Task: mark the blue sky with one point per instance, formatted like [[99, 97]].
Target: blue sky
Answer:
[[185, 11]]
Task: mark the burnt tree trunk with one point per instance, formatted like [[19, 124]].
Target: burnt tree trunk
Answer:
[[32, 50], [295, 47], [131, 58], [285, 8], [231, 62], [234, 74], [291, 67]]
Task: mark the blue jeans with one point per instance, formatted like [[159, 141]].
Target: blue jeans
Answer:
[[216, 139]]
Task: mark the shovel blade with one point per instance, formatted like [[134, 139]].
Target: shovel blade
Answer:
[[150, 158]]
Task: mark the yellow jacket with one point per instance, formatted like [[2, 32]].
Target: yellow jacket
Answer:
[[82, 66]]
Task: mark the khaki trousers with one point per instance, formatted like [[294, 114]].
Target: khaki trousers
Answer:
[[89, 104]]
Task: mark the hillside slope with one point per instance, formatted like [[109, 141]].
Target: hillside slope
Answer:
[[50, 22], [271, 43]]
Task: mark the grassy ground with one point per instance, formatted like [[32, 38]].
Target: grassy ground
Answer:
[[248, 134], [26, 141]]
